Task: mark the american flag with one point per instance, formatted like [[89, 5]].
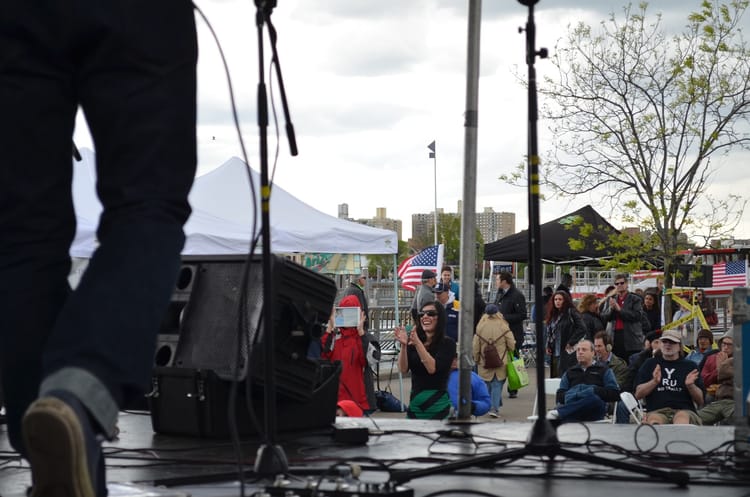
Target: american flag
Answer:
[[410, 271], [729, 274]]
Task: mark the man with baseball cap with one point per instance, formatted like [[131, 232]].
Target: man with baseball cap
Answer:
[[425, 292], [442, 295], [670, 385]]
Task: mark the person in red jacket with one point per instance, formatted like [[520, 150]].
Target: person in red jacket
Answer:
[[348, 345]]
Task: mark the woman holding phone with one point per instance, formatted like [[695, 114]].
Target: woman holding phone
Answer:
[[348, 345], [428, 353]]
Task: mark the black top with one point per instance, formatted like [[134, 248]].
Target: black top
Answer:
[[512, 306], [654, 318], [593, 324], [570, 328], [443, 353], [672, 391]]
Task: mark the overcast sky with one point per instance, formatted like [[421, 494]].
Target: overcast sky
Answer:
[[371, 83]]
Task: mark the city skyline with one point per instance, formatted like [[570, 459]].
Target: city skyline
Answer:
[[492, 225]]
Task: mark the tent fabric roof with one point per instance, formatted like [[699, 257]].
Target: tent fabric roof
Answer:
[[554, 239], [223, 212]]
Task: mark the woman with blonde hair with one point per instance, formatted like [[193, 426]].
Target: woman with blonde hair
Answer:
[[493, 331]]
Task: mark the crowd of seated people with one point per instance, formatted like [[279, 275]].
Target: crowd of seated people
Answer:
[[675, 384]]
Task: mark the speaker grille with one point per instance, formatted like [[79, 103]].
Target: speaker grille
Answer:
[[210, 328], [210, 322]]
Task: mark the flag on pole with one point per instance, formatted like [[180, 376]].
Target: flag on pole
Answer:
[[732, 274], [410, 271], [431, 146]]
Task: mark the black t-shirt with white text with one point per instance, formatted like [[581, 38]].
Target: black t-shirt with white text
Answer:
[[671, 392]]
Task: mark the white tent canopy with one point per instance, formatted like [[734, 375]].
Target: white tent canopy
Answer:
[[222, 214]]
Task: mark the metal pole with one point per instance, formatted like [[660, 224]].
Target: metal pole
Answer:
[[397, 323], [270, 458], [435, 217], [395, 289], [542, 434], [468, 213]]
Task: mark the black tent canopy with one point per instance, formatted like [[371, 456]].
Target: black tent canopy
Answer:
[[588, 230]]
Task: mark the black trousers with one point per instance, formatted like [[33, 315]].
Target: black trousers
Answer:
[[130, 66]]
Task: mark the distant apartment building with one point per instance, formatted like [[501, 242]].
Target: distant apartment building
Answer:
[[381, 220], [492, 225], [495, 225], [423, 224]]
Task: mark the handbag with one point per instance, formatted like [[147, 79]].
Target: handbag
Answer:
[[387, 402], [518, 377]]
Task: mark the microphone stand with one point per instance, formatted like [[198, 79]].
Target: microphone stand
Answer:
[[542, 441], [270, 459]]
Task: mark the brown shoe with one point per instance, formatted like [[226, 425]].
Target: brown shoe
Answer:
[[62, 448]]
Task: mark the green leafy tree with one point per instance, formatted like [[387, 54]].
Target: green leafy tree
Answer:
[[636, 117]]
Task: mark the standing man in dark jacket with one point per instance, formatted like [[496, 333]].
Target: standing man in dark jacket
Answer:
[[623, 315], [566, 281], [512, 306]]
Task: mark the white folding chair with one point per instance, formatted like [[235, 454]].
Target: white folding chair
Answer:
[[551, 385], [635, 409], [607, 418]]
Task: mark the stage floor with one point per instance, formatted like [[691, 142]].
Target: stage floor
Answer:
[[141, 460]]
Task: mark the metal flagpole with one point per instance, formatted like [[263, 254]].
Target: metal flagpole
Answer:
[[431, 146], [468, 213]]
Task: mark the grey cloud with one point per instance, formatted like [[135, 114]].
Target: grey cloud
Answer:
[[350, 118]]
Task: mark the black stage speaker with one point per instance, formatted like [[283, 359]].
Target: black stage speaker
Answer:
[[692, 276], [209, 336], [195, 403], [218, 333], [169, 331]]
